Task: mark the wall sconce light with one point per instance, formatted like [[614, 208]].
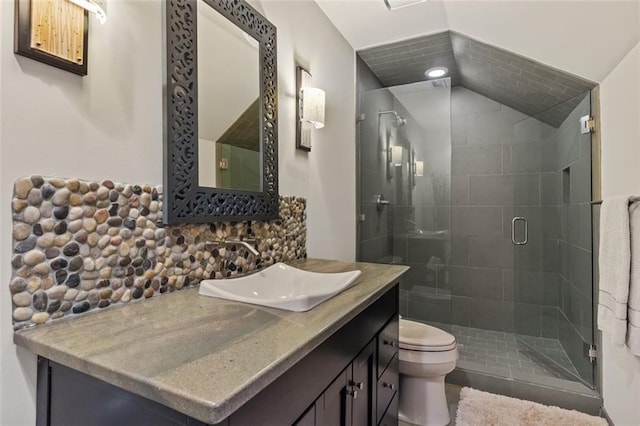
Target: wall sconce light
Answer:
[[310, 109], [312, 100], [223, 164], [395, 155], [98, 7], [418, 168]]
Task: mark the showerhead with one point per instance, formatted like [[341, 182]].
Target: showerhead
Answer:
[[397, 119]]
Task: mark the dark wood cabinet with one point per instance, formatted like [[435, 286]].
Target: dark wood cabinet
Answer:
[[333, 408], [387, 387], [386, 410], [351, 379], [349, 399], [308, 418], [388, 344], [358, 397], [363, 385], [390, 417], [68, 397]]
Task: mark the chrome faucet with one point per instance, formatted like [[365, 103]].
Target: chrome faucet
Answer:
[[248, 244]]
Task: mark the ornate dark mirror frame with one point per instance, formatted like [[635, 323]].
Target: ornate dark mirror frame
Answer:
[[184, 200]]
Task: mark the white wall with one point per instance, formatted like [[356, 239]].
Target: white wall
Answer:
[[620, 109], [325, 176], [109, 125]]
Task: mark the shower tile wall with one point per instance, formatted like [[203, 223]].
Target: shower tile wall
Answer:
[[498, 168]]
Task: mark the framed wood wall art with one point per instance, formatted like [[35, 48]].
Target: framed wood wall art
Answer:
[[54, 32]]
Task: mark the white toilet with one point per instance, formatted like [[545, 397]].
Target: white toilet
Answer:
[[427, 354]]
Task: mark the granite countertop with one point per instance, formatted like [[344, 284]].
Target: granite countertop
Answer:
[[202, 356]]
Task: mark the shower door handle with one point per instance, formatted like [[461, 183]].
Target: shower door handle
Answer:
[[513, 231], [380, 201]]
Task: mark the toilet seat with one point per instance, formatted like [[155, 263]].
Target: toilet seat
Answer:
[[420, 348], [415, 336]]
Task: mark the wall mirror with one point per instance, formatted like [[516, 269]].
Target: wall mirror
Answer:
[[220, 151]]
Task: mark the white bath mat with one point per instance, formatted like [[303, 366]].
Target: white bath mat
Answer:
[[477, 408]]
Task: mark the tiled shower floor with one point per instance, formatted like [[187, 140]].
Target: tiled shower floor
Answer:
[[505, 355]]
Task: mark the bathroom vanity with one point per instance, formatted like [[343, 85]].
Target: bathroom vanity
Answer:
[[186, 359]]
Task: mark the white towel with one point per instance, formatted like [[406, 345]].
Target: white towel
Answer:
[[614, 262], [633, 330]]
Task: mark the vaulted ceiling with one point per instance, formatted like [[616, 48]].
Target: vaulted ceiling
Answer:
[[586, 38], [525, 85]]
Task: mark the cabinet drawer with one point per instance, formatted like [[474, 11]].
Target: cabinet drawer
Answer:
[[387, 387], [387, 343], [390, 417]]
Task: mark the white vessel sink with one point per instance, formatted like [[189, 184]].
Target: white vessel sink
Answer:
[[281, 286]]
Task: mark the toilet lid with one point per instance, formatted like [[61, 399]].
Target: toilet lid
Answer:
[[418, 336]]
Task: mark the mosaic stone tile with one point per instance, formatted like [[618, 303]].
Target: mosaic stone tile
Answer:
[[81, 245]]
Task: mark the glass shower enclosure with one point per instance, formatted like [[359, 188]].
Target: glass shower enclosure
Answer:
[[405, 190], [497, 233], [552, 239]]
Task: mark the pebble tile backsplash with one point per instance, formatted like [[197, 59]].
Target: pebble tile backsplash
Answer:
[[80, 245]]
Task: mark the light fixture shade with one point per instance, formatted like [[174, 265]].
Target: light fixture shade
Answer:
[[99, 7], [398, 4], [419, 168], [312, 106], [396, 155]]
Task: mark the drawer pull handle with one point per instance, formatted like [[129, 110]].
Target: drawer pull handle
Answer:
[[358, 385], [389, 385], [353, 394], [391, 343]]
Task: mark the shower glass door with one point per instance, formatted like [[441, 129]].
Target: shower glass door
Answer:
[[404, 162], [551, 234]]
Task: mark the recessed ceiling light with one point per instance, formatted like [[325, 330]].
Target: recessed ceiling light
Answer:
[[436, 72], [397, 4]]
